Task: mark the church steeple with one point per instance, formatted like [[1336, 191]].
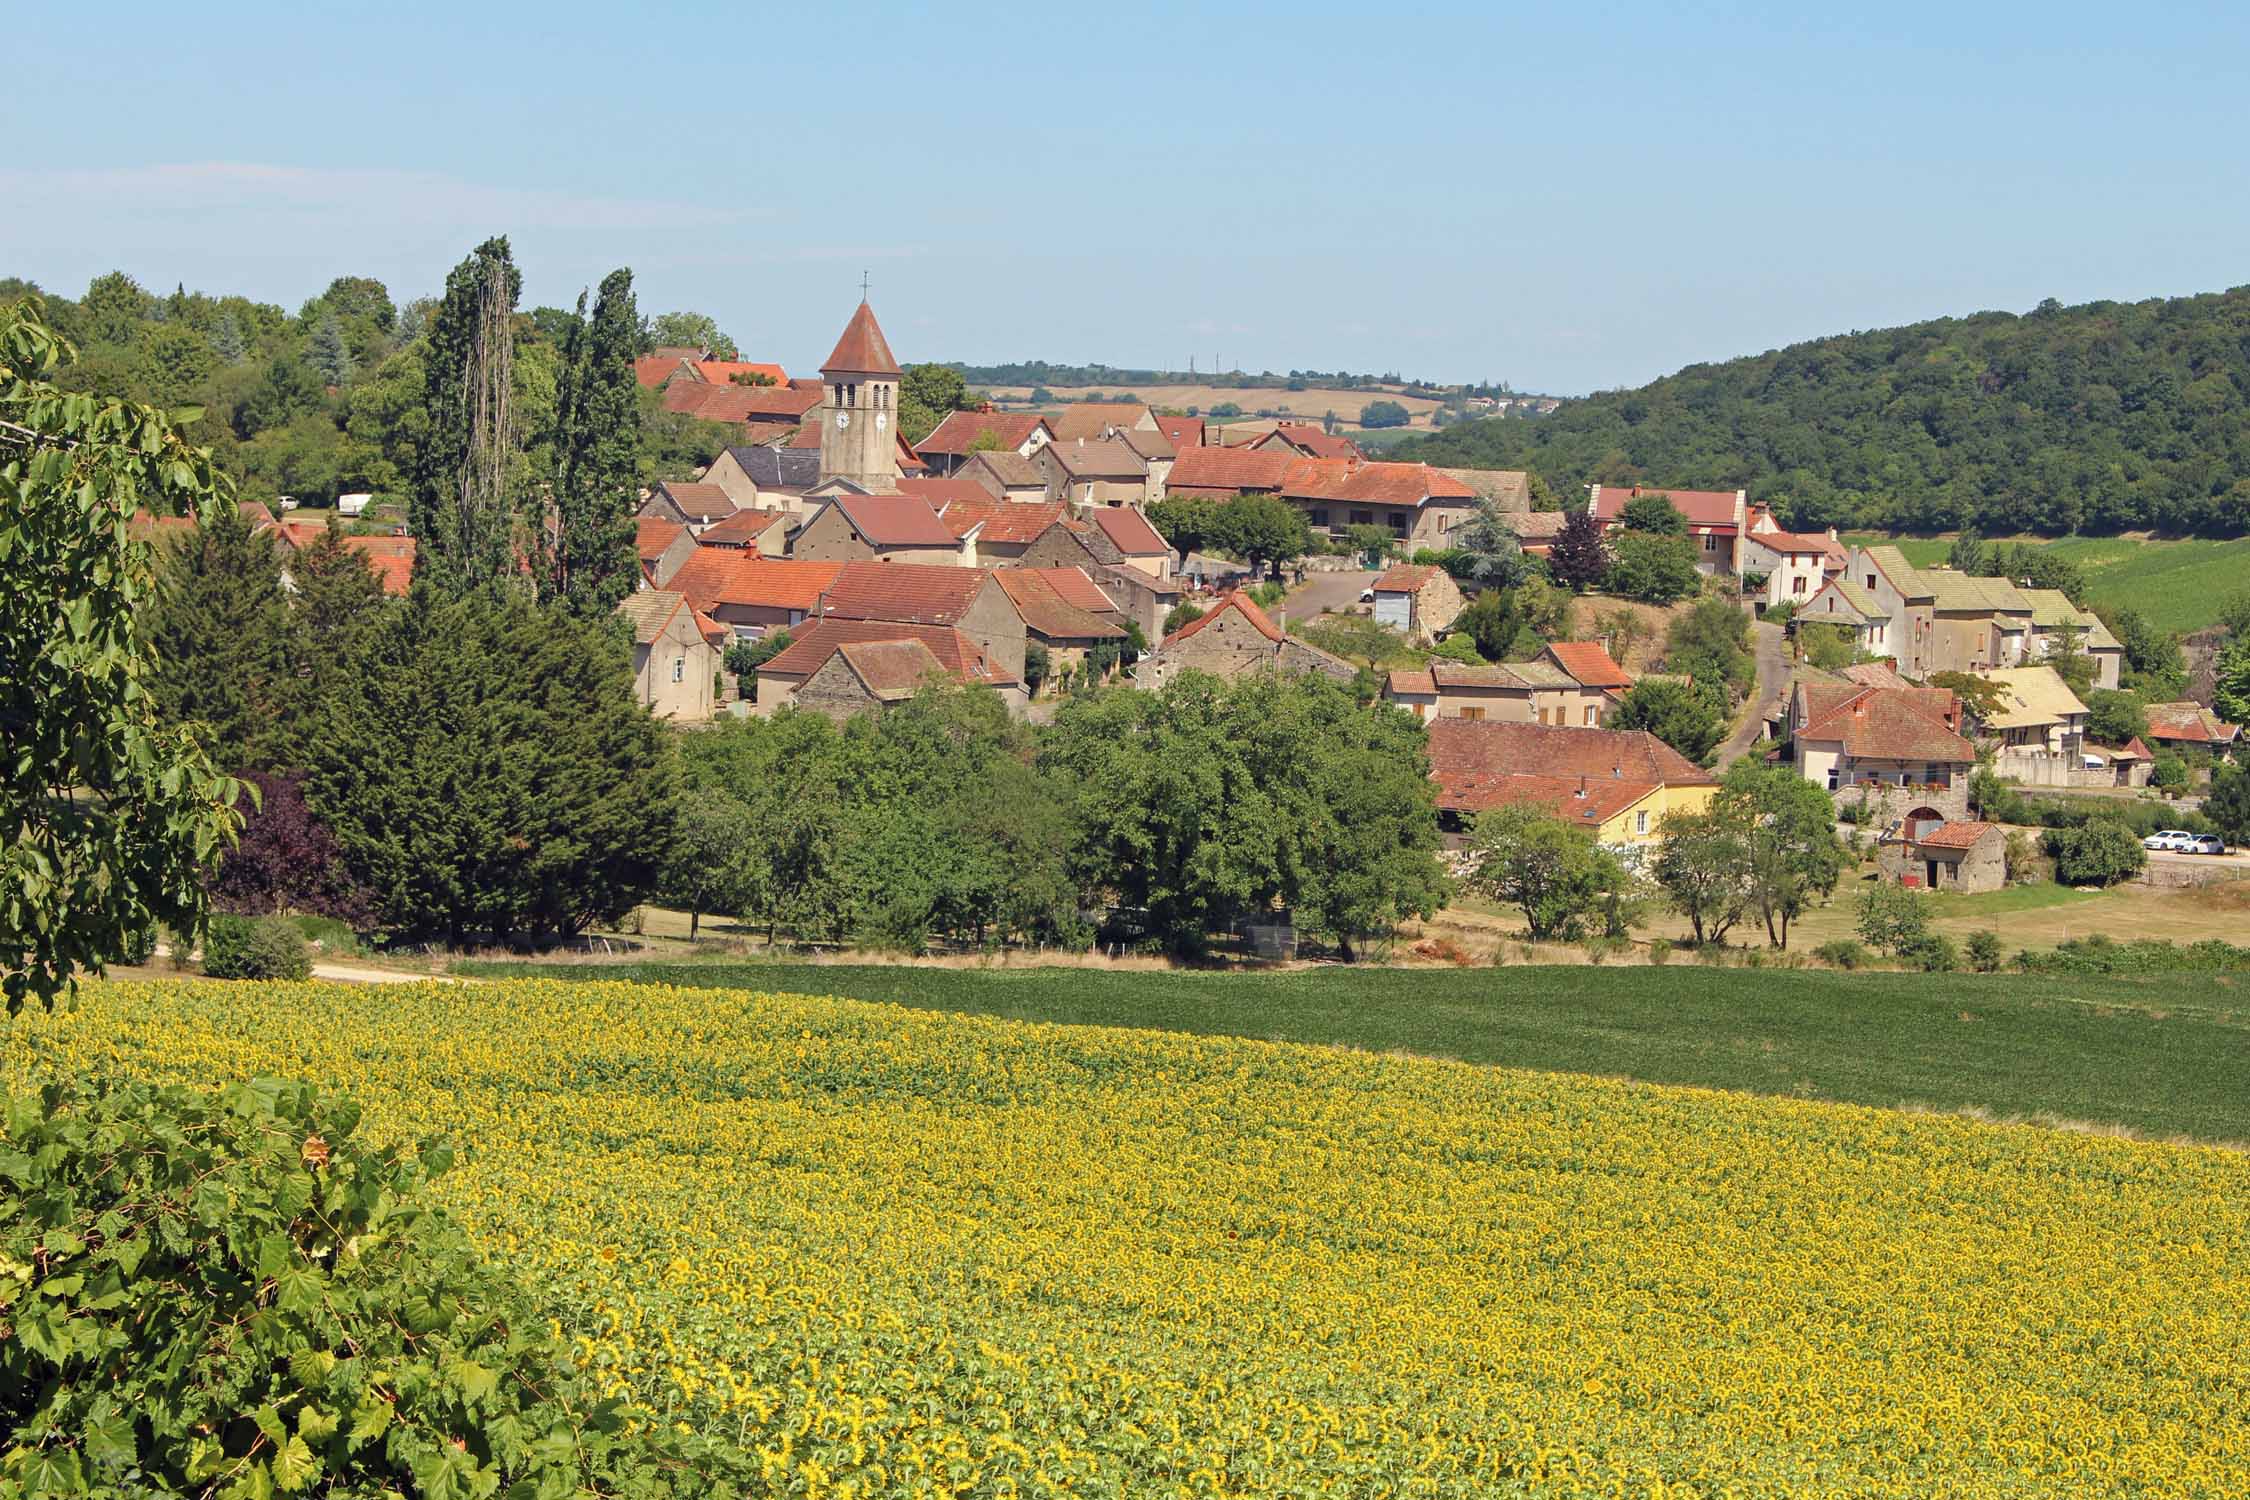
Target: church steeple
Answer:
[[859, 423]]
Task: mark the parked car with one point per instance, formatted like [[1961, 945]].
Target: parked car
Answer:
[[2210, 843], [2170, 841]]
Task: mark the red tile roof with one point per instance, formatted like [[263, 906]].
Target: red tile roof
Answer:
[[1090, 419], [1712, 508], [916, 593], [812, 643], [295, 535], [1589, 663], [652, 534], [652, 370], [1084, 458], [1423, 682], [1129, 530], [699, 502], [1941, 704], [1074, 586], [1005, 522], [937, 494], [1406, 578], [1956, 835], [891, 670], [716, 577], [900, 520], [1181, 432], [1340, 480], [2189, 723], [1799, 543], [1241, 604], [1885, 724], [958, 433], [391, 558], [1471, 759], [742, 529], [1315, 442], [808, 435], [1238, 469], [2134, 750], [1046, 612], [862, 350], [739, 403], [723, 371], [1589, 800]]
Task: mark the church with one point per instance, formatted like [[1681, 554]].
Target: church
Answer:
[[860, 445]]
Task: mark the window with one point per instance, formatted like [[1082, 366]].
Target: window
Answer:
[[1640, 821], [1710, 542], [1318, 515], [1363, 518], [1871, 580], [1418, 710], [1797, 585], [1472, 713], [679, 669], [1589, 713], [1832, 778]]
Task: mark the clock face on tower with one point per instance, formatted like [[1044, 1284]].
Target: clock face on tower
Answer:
[[843, 419], [879, 421]]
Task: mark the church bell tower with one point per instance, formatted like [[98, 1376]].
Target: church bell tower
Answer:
[[859, 418]]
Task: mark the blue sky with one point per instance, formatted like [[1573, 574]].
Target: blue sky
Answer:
[[1568, 196]]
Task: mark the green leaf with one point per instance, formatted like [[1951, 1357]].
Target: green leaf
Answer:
[[369, 1419], [294, 1466]]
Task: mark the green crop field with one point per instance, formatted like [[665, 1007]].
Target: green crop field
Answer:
[[2178, 585], [2161, 1058]]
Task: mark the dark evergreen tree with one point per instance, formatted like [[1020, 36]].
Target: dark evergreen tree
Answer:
[[591, 562], [227, 340], [221, 633], [461, 508], [331, 356], [488, 773], [1577, 559]]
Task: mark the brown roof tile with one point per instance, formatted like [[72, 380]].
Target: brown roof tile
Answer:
[[1129, 530], [901, 520], [958, 433], [1701, 507], [1046, 612], [916, 593], [652, 534], [699, 502], [1956, 835], [1589, 664], [742, 529], [1238, 469], [892, 670], [812, 643], [862, 350], [1090, 419], [1241, 604], [1083, 458], [1883, 723], [1468, 756], [650, 610], [719, 576]]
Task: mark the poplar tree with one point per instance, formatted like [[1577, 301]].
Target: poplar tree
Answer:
[[591, 560], [460, 506]]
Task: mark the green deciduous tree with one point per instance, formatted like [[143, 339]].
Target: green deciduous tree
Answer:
[[108, 817], [2227, 803], [1264, 531], [1788, 828], [1652, 515], [2154, 666], [1552, 871], [1654, 569], [2230, 681], [927, 394], [1682, 716], [1185, 524], [1711, 643], [591, 562], [689, 330], [1893, 918], [1379, 414], [462, 505], [2114, 717], [2100, 851], [1703, 869], [487, 772]]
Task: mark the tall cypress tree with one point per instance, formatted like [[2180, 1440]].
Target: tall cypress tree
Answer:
[[331, 356], [460, 508], [222, 637], [593, 563]]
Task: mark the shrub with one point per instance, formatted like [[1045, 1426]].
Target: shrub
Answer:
[[1893, 918], [229, 1283], [2168, 773], [1180, 617], [1843, 953], [1982, 951], [2101, 852], [2101, 954], [1932, 952], [1659, 950], [255, 948]]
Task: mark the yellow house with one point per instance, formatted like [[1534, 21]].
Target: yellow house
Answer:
[[1620, 784]]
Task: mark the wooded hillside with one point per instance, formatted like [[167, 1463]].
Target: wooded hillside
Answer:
[[2101, 418]]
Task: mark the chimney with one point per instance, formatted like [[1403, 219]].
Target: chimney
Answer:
[[1582, 786]]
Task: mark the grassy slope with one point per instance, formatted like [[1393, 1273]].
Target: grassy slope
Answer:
[[2164, 1058], [2178, 585]]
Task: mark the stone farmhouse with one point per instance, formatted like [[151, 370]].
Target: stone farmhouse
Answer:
[[1949, 856], [804, 673], [675, 661], [1417, 503], [1235, 637], [1898, 751], [1418, 600], [1620, 784], [1570, 683]]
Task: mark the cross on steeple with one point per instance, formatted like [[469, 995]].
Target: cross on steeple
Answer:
[[863, 286]]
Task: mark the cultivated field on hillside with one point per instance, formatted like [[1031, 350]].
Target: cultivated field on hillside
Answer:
[[901, 1253], [1310, 404], [2178, 585]]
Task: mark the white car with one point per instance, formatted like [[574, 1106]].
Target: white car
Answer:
[[2208, 843], [2170, 841]]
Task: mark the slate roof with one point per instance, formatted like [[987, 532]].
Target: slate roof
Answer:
[[862, 349], [779, 468], [1589, 664], [915, 593], [1706, 508], [1885, 724], [812, 643], [719, 576], [900, 520], [958, 433], [1129, 531], [1046, 612]]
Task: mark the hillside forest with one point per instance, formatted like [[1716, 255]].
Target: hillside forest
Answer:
[[331, 398], [2094, 419]]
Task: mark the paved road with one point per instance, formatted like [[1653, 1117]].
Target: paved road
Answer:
[[1767, 697], [1327, 591]]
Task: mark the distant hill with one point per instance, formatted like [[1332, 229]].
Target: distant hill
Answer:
[[2096, 419]]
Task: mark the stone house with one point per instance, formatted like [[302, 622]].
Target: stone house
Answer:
[[1144, 599], [695, 506], [1946, 856], [1619, 784], [765, 476], [674, 666], [996, 533], [1417, 600], [878, 679], [860, 676], [1007, 476], [663, 547], [898, 528], [1418, 504], [1528, 692], [1897, 752], [1094, 472], [1234, 638], [1794, 565], [1053, 605], [1843, 602], [966, 599], [1156, 454], [766, 532], [1307, 441], [1137, 543]]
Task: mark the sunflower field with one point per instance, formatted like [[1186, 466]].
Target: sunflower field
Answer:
[[897, 1253]]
